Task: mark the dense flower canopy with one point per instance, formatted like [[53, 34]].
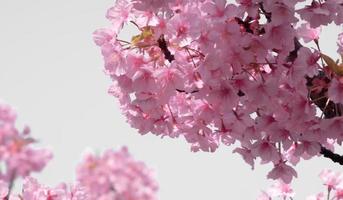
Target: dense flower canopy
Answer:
[[229, 73]]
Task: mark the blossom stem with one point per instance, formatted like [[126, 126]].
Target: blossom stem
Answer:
[[316, 41], [11, 183]]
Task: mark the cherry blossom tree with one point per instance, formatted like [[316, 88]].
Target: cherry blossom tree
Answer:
[[115, 175], [249, 74]]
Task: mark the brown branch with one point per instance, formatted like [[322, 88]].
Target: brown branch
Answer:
[[331, 155], [245, 24], [164, 48], [184, 91]]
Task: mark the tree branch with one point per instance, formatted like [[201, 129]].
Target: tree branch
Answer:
[[332, 156]]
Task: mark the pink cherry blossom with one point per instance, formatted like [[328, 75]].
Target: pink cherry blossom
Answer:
[[116, 175], [283, 172], [16, 148], [335, 92], [4, 190], [318, 14], [213, 72], [32, 190], [307, 33], [330, 178], [280, 189], [319, 196], [119, 14]]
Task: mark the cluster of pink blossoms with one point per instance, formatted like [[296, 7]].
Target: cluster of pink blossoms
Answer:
[[218, 73], [115, 175], [17, 154], [333, 182]]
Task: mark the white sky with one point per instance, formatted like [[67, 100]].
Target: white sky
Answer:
[[51, 71]]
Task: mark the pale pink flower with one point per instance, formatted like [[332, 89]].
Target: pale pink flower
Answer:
[[32, 190], [116, 174], [282, 13], [283, 172], [307, 33], [17, 153], [319, 196], [335, 91], [3, 189], [331, 179], [220, 9], [119, 14], [103, 36], [318, 14], [151, 5], [281, 189], [266, 151], [247, 156]]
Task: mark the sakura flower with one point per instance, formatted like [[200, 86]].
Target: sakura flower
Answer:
[[3, 189], [338, 5], [32, 190], [282, 13], [180, 28], [7, 114], [307, 33], [281, 189], [318, 13], [150, 5], [278, 36], [331, 179], [339, 193], [335, 92], [116, 175], [310, 148], [119, 14], [247, 155], [266, 151], [17, 153], [333, 182], [220, 73], [220, 9], [283, 172], [103, 36]]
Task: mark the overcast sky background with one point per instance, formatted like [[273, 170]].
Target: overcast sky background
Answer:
[[52, 73]]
